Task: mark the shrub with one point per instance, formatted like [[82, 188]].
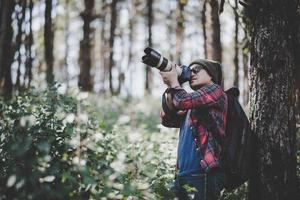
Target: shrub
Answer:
[[54, 146]]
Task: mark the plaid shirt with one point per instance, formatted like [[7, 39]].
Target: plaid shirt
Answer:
[[213, 100]]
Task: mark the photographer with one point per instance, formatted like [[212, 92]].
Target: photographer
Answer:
[[201, 117]]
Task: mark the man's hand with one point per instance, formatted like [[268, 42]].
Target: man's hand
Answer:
[[170, 78]]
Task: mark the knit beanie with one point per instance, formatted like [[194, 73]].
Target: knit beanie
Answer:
[[213, 68]]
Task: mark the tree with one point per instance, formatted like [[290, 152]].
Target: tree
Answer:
[[104, 49], [150, 23], [28, 47], [20, 15], [113, 21], [179, 29], [48, 42], [24, 40], [245, 53], [132, 23], [211, 27], [236, 45], [6, 47], [274, 59], [67, 36], [85, 63]]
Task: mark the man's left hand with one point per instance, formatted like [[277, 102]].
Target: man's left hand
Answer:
[[170, 78]]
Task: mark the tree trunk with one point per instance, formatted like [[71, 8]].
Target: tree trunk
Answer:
[[245, 68], [6, 48], [179, 29], [85, 82], [272, 100], [132, 22], [121, 76], [113, 21], [67, 36], [48, 41], [170, 30], [104, 49], [236, 45], [28, 47], [203, 20], [212, 31], [20, 18], [149, 77], [1, 11], [297, 43]]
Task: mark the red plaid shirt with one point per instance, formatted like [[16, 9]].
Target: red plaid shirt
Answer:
[[214, 100]]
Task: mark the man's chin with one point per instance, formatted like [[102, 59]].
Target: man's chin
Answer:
[[196, 86]]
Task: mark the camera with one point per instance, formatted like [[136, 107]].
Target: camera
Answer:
[[155, 59]]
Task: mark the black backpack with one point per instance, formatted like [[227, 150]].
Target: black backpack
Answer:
[[239, 147]]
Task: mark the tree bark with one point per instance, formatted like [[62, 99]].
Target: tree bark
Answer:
[[20, 18], [104, 49], [148, 81], [272, 100], [203, 20], [170, 31], [1, 11], [28, 47], [212, 28], [179, 29], [85, 82], [113, 21], [297, 43], [6, 48], [67, 46], [245, 68], [132, 23], [48, 42], [236, 45]]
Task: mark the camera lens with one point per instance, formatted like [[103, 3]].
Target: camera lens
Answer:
[[154, 59]]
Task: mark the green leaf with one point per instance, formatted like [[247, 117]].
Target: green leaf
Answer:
[[43, 146]]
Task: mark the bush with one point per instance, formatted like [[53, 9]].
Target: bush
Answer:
[[36, 156], [55, 146]]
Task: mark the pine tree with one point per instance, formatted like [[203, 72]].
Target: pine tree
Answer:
[[85, 62], [48, 42], [6, 47]]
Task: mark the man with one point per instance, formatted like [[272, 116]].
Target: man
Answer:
[[201, 116]]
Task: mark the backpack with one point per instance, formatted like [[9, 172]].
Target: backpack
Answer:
[[238, 146], [238, 149]]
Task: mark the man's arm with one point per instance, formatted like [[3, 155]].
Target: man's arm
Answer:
[[207, 95], [172, 120]]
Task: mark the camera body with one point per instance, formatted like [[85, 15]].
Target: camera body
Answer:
[[156, 60]]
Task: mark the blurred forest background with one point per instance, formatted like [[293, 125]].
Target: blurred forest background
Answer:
[[98, 45], [79, 112]]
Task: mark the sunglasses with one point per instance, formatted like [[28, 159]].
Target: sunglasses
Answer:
[[196, 69]]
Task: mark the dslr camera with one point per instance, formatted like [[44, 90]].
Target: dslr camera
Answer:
[[155, 59]]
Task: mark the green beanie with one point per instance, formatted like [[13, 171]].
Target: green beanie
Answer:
[[213, 68]]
